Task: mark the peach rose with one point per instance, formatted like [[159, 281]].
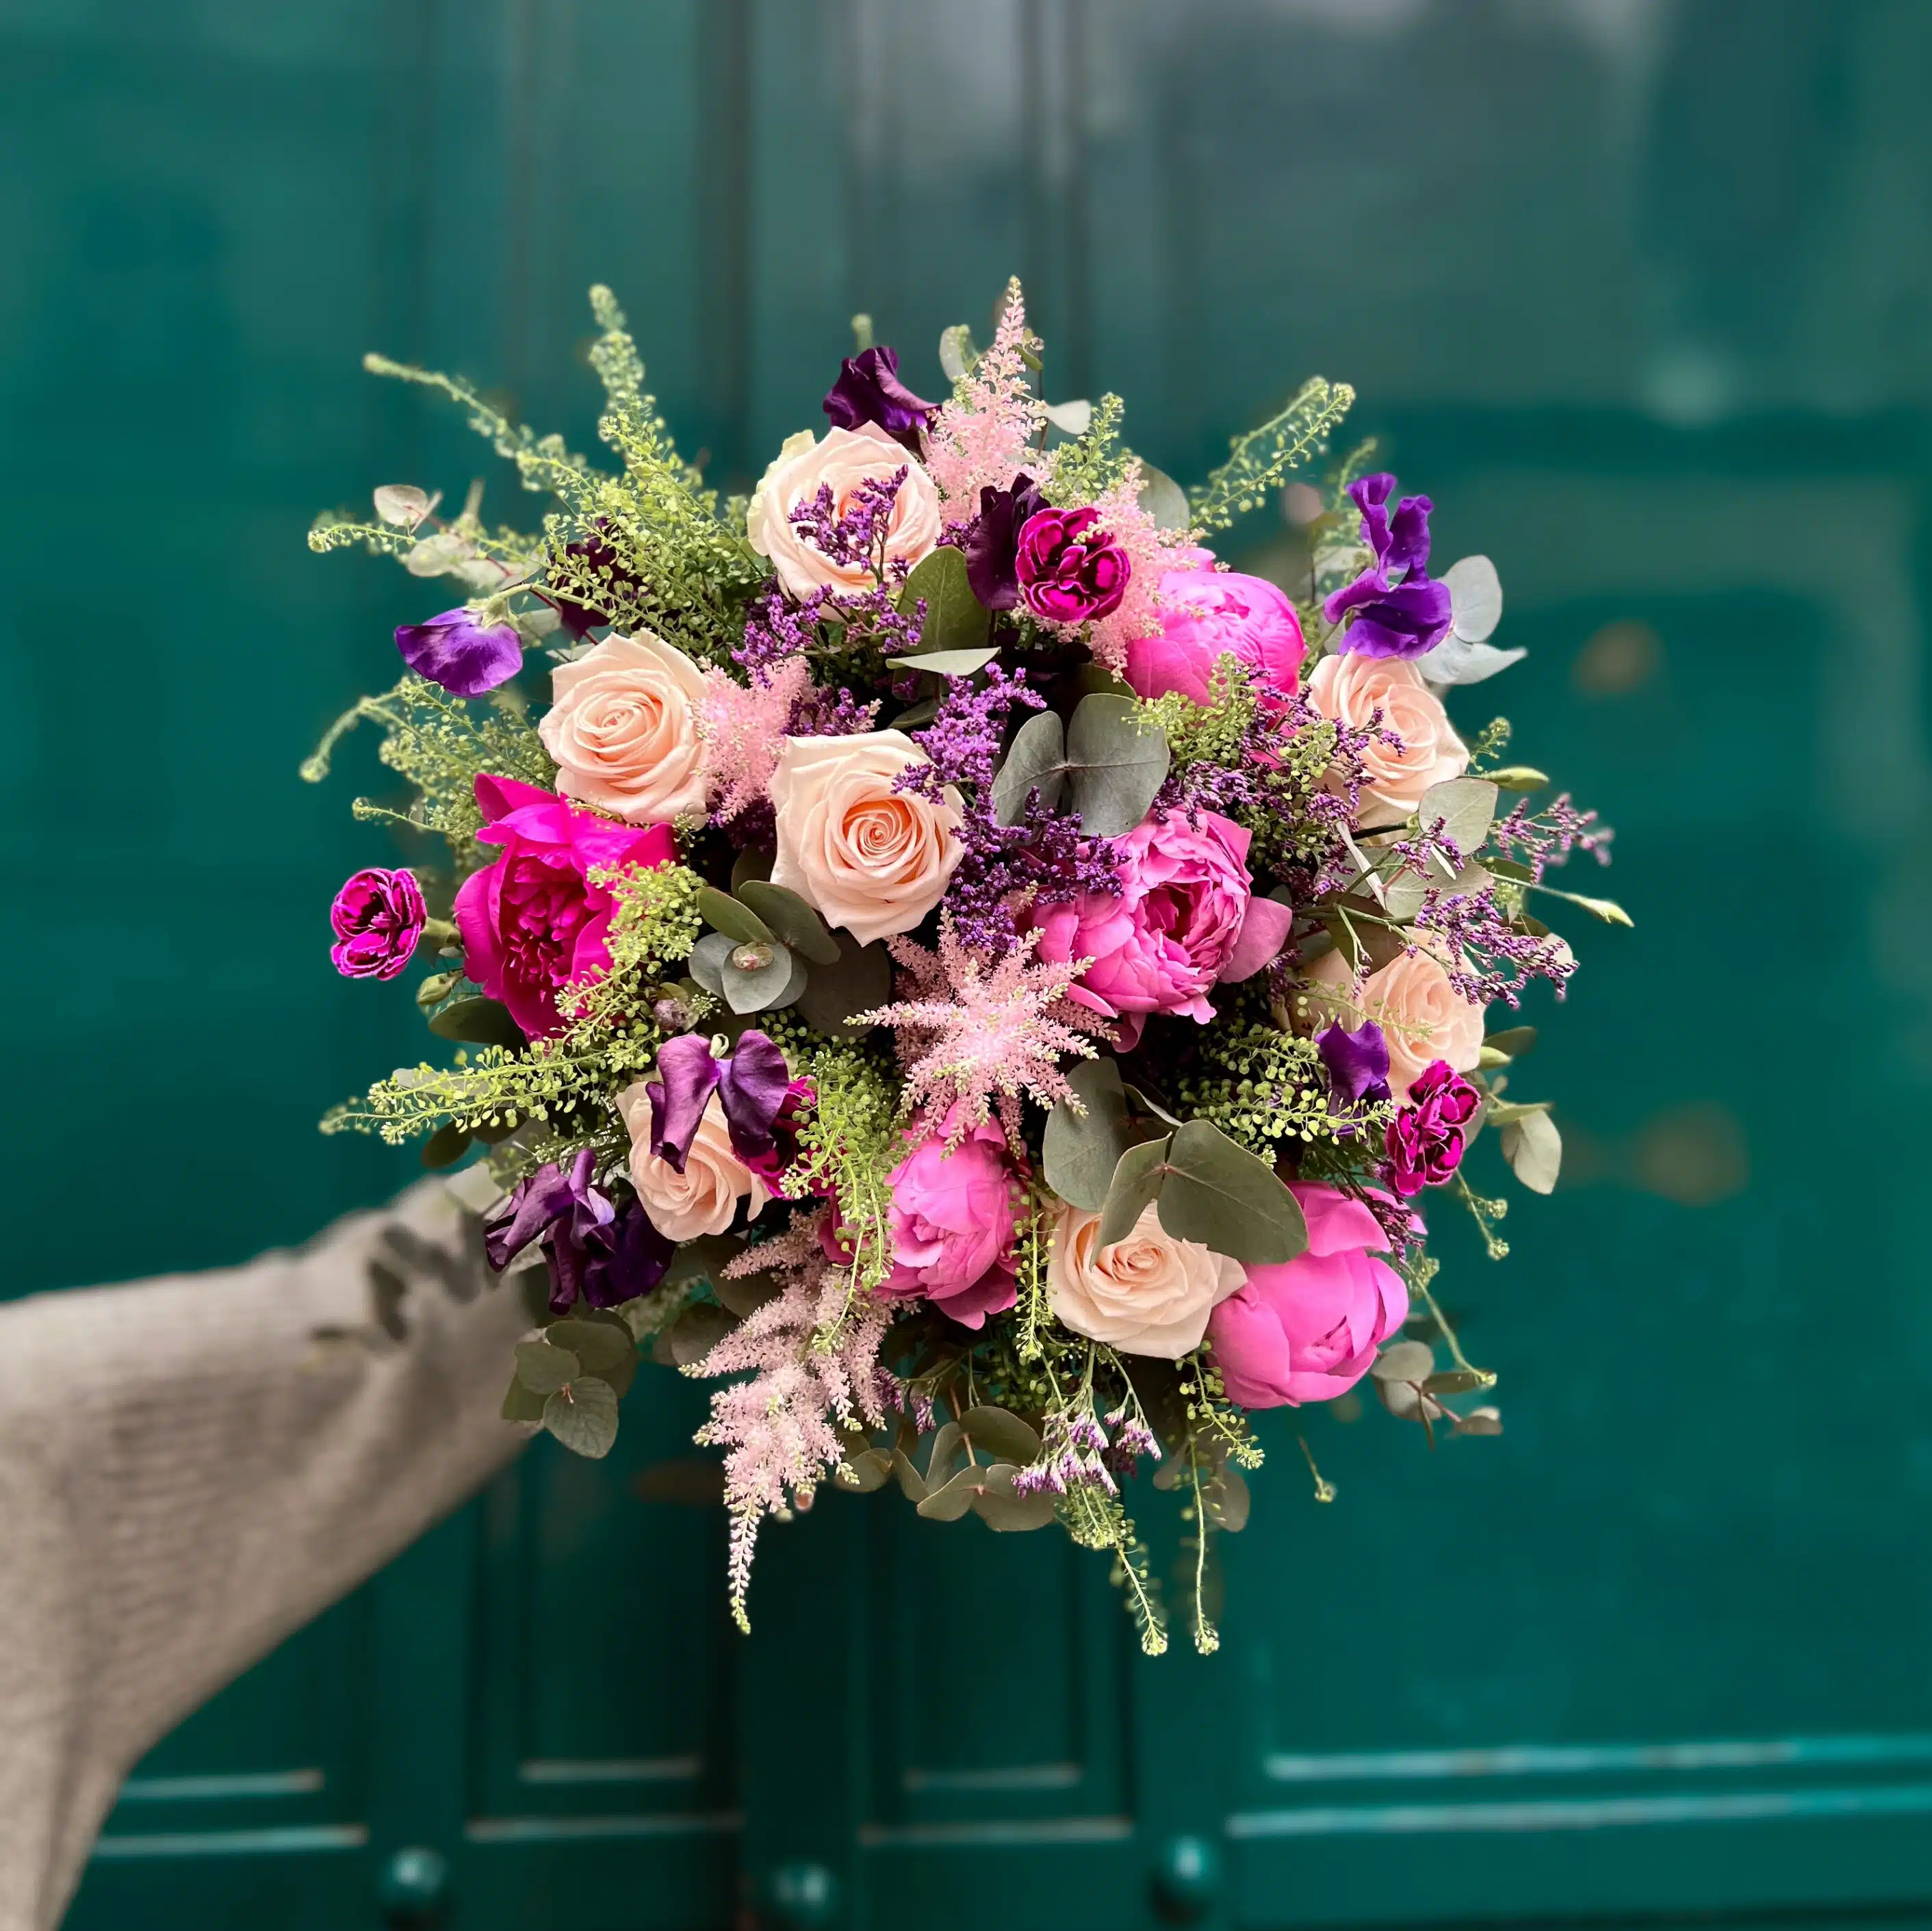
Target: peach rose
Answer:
[[1148, 1294], [704, 1198], [844, 458], [869, 858], [1423, 1017], [623, 729], [1351, 689]]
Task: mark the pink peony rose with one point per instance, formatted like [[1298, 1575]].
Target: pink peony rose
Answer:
[[1208, 614], [1172, 931], [953, 1227], [532, 922], [377, 918], [1308, 1330]]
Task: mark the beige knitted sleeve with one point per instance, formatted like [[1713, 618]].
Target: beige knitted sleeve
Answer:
[[191, 1468]]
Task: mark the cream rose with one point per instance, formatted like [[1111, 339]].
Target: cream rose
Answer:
[[843, 458], [1423, 1017], [704, 1198], [871, 858], [1351, 689], [1148, 1294], [623, 729]]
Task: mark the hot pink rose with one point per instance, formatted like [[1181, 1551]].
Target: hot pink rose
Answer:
[[1207, 614], [1307, 1330], [953, 1227], [532, 922], [1175, 928]]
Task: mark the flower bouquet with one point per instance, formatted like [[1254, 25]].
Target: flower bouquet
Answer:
[[931, 949]]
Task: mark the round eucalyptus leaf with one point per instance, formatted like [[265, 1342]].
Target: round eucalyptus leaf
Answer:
[[1479, 1421], [1115, 764], [1138, 1175], [1163, 498], [912, 1483], [1408, 889], [1475, 596], [521, 1403], [1035, 762], [584, 1417], [957, 354], [477, 1022], [952, 1498], [999, 1508], [948, 1453], [598, 1344], [861, 981], [1457, 1381], [1082, 1149], [750, 864], [697, 1331], [1467, 806], [707, 960], [1405, 1361], [755, 987], [1227, 1500], [731, 916], [1533, 1148], [1000, 1433], [955, 619], [791, 919], [542, 1368], [435, 989], [1514, 1043], [1231, 1202], [865, 1472]]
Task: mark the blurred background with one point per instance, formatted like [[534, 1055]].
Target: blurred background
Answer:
[[1638, 291]]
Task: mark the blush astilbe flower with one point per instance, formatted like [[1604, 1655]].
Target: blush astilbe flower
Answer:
[[744, 727], [810, 1357], [973, 1032], [981, 438]]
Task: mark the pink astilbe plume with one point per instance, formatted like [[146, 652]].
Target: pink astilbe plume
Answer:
[[981, 438], [1151, 550], [779, 1428], [744, 729], [971, 1032]]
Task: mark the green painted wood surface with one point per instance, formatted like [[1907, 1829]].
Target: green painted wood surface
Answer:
[[1639, 293]]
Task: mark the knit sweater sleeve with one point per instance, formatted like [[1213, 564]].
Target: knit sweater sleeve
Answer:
[[191, 1468]]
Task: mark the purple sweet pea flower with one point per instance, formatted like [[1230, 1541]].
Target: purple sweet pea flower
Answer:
[[1426, 1140], [992, 544], [466, 657], [1357, 1062], [1070, 570], [1399, 611], [377, 918], [869, 390], [598, 1252], [752, 1085]]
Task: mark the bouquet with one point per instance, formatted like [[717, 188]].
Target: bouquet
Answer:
[[928, 948]]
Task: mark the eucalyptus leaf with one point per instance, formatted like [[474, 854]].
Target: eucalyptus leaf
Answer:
[[914, 715], [1145, 1103], [1475, 597], [542, 1368], [584, 1417], [861, 981], [1479, 1421], [1533, 1148], [947, 663], [953, 1498], [435, 989], [731, 916], [1163, 498], [999, 1508], [521, 1403], [1081, 1150], [949, 1452], [1000, 1433], [1035, 762], [1457, 1381], [1115, 764], [1137, 1180], [745, 1294], [1408, 889], [1227, 1500], [761, 988], [1607, 910], [1220, 1194], [957, 354], [1515, 1042], [445, 1146], [912, 1483], [791, 919], [697, 1331], [477, 1022], [1466, 806], [598, 1345], [404, 504], [706, 1256], [871, 1469], [1090, 679], [707, 961], [1071, 419], [750, 865], [1456, 661], [1405, 1361], [955, 619]]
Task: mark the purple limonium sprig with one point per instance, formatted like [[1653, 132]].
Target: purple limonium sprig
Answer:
[[869, 390], [1546, 837], [1487, 958], [855, 532], [1073, 1454], [461, 652], [599, 1252], [1399, 611], [751, 1084]]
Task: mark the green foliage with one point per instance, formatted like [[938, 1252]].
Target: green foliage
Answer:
[[653, 926], [1096, 1520], [1262, 1089], [847, 1146], [439, 743], [1260, 460], [1215, 733], [1084, 469]]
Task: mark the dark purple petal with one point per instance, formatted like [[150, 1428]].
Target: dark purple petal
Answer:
[[465, 657], [754, 1083], [1404, 621], [1400, 613], [1357, 1062], [1408, 537], [638, 1259], [992, 544], [539, 1199], [869, 390], [690, 1074]]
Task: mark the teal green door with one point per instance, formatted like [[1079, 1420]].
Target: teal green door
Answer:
[[1640, 293]]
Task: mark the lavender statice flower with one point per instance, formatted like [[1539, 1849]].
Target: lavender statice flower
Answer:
[[1134, 1442], [1541, 839], [856, 531], [777, 629], [1487, 956], [1073, 1449], [1042, 860], [819, 714]]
